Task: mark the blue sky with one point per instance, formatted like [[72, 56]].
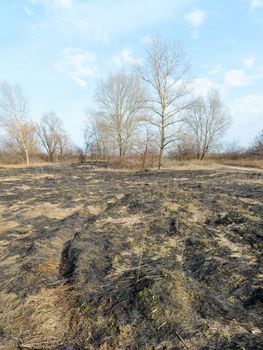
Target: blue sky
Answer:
[[57, 50]]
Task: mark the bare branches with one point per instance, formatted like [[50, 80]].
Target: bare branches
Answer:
[[121, 101], [98, 136], [207, 122], [48, 131], [257, 147], [13, 116], [52, 135], [165, 74]]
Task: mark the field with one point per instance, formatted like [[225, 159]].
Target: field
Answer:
[[95, 258]]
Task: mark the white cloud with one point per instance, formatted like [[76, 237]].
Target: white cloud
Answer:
[[256, 3], [249, 62], [216, 70], [235, 78], [103, 20], [125, 57], [246, 113], [52, 4], [77, 64], [201, 86], [196, 18], [63, 3], [249, 105]]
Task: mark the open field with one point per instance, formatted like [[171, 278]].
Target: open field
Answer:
[[248, 163], [97, 259]]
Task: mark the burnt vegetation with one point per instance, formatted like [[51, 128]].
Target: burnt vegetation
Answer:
[[99, 259]]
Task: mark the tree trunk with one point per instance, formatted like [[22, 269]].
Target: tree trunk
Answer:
[[51, 158], [161, 146], [160, 160], [203, 155], [121, 154], [27, 157]]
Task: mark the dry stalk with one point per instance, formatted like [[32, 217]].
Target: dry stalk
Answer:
[[142, 251]]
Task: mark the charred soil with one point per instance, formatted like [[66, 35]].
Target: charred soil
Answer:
[[97, 259]]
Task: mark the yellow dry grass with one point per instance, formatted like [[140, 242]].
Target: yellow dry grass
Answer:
[[95, 209], [197, 213], [3, 208], [250, 163], [171, 207], [36, 319], [127, 221], [52, 211], [7, 225]]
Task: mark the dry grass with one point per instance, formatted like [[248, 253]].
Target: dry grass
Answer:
[[52, 211], [7, 225], [145, 261], [128, 221], [37, 318], [95, 209], [34, 164], [246, 163]]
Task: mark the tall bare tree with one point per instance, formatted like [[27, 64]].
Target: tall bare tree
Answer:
[[98, 136], [14, 118], [121, 101], [49, 130], [165, 74], [53, 136], [207, 122]]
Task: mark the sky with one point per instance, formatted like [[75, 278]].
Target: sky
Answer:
[[57, 50]]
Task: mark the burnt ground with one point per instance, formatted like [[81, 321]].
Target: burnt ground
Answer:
[[100, 259]]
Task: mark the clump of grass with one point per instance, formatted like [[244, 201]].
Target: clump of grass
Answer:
[[36, 320]]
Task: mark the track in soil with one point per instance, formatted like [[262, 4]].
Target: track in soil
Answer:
[[100, 259]]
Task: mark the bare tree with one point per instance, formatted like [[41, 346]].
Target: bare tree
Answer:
[[49, 130], [14, 118], [122, 103], [82, 151], [147, 149], [98, 136], [233, 150], [52, 135], [63, 144], [207, 122], [21, 139], [185, 147], [165, 74], [257, 147]]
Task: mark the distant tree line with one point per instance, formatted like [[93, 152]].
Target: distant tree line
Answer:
[[147, 112], [21, 138], [151, 110]]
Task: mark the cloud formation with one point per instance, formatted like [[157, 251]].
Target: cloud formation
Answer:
[[246, 113], [201, 86], [53, 4], [125, 57], [256, 3], [77, 64], [236, 78], [196, 18], [249, 62]]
